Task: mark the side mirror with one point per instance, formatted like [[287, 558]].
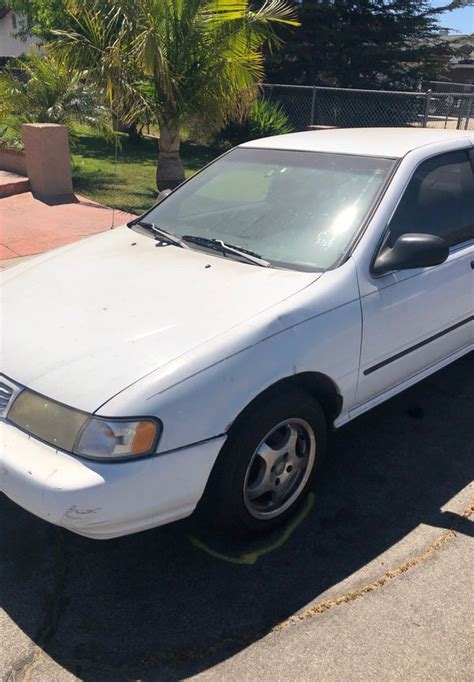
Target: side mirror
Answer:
[[163, 194], [411, 251]]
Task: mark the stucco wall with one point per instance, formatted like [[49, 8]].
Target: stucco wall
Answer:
[[9, 45], [48, 160]]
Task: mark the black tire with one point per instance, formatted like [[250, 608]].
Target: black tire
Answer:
[[224, 503]]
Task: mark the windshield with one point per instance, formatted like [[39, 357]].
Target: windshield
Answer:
[[294, 209]]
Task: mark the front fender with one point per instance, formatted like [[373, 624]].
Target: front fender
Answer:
[[320, 332]]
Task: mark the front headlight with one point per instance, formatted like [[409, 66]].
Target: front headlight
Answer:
[[47, 420], [117, 438], [82, 434]]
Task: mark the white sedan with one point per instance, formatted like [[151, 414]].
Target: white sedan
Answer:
[[197, 357]]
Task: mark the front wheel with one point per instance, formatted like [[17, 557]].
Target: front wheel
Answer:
[[269, 462]]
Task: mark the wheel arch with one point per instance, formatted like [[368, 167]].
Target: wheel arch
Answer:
[[319, 386]]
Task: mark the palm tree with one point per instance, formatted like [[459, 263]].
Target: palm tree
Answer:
[[41, 89], [178, 60]]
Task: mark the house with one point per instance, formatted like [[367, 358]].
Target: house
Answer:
[[462, 69], [10, 44]]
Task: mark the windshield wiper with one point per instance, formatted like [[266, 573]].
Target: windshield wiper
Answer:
[[224, 248], [162, 235]]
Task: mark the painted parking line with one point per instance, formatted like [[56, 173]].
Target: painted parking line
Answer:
[[250, 558]]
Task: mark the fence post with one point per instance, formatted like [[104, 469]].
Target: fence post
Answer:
[[468, 112], [460, 114], [427, 108], [313, 106]]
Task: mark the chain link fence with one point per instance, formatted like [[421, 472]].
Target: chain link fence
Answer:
[[349, 108]]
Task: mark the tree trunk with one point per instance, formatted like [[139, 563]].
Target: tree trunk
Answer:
[[134, 133], [170, 171]]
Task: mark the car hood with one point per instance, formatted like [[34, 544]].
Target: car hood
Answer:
[[84, 322]]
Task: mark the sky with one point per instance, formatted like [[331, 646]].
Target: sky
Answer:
[[462, 20]]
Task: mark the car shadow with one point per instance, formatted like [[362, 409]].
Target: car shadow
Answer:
[[158, 605]]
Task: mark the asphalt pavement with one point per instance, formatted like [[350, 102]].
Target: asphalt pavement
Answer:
[[372, 581]]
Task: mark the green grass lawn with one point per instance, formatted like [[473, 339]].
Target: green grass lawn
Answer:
[[130, 184]]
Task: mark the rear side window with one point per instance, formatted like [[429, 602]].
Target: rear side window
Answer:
[[439, 200]]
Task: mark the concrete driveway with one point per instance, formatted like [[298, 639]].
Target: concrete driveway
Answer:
[[373, 581]]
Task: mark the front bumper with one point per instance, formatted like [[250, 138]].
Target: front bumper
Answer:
[[103, 500]]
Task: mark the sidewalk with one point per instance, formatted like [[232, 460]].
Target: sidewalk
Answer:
[[29, 226]]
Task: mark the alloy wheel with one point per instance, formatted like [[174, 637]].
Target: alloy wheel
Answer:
[[279, 468]]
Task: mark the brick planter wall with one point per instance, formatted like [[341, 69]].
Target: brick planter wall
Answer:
[[13, 160]]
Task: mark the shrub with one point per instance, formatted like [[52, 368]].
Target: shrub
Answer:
[[263, 119], [41, 89]]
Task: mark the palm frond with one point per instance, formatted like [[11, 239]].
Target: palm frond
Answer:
[[42, 89], [197, 57]]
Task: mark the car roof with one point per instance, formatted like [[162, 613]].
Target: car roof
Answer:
[[385, 142]]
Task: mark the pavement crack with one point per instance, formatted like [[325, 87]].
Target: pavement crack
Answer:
[[353, 595], [21, 666]]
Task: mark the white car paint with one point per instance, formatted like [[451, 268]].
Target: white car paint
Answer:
[[427, 299], [143, 331], [126, 309], [387, 142], [81, 495]]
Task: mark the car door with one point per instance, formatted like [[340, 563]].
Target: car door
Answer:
[[414, 319]]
